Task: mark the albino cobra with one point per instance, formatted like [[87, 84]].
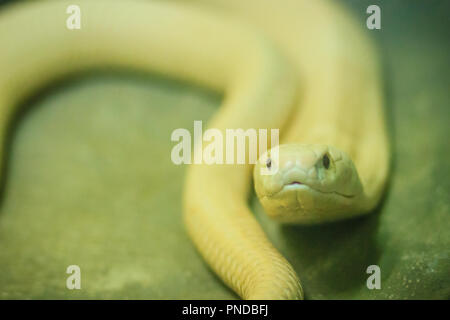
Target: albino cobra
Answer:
[[304, 67]]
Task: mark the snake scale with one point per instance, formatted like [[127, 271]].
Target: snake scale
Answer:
[[303, 67]]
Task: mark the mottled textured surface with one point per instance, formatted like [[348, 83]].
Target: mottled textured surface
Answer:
[[90, 182]]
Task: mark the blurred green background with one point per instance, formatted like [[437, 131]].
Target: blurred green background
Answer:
[[89, 182]]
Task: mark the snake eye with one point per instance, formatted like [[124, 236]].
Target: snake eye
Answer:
[[269, 163], [326, 161]]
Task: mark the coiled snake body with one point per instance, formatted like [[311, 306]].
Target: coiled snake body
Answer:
[[301, 66]]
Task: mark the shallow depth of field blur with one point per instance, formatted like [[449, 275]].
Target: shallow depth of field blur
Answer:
[[90, 182]]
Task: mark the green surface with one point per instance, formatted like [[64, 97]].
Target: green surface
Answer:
[[90, 182]]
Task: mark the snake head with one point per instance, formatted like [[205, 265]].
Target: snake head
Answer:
[[310, 183]]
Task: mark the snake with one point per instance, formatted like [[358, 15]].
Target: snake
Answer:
[[305, 68]]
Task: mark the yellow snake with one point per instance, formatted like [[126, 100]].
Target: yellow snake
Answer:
[[304, 67]]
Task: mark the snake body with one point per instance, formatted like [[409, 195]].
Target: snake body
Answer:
[[303, 67]]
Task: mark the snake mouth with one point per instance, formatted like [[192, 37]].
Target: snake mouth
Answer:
[[294, 185], [297, 186]]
